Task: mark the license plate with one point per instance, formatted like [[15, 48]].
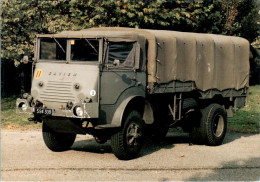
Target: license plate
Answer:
[[42, 111]]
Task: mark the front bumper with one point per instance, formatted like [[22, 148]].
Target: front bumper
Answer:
[[90, 110]]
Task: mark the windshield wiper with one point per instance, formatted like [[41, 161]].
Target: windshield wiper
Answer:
[[59, 45], [91, 45]]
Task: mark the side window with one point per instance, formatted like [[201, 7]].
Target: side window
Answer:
[[84, 49], [122, 51]]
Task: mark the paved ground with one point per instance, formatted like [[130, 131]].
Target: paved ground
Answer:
[[24, 157]]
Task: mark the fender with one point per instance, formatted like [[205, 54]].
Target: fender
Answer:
[[118, 116]]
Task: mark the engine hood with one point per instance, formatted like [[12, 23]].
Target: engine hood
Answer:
[[56, 84]]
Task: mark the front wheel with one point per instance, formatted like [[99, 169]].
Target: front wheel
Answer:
[[55, 141], [127, 142]]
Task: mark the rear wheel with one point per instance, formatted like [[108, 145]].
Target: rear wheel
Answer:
[[190, 114], [127, 142], [55, 141], [212, 127]]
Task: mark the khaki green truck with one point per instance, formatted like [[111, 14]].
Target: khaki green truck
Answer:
[[122, 84]]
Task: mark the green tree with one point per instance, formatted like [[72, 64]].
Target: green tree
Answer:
[[22, 20], [241, 17]]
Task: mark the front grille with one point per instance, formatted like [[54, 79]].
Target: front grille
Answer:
[[59, 92]]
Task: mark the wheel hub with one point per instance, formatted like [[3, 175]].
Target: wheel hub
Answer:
[[218, 125], [133, 134]]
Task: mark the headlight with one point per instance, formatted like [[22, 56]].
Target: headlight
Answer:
[[79, 111], [24, 107]]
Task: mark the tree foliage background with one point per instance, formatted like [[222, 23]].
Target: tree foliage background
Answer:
[[21, 20]]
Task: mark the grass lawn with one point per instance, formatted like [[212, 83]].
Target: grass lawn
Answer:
[[11, 120], [246, 119]]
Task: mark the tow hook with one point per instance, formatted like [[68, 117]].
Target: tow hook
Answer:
[[35, 120]]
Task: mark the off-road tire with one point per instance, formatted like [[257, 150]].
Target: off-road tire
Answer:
[[120, 141], [55, 141], [212, 127], [189, 103], [190, 110]]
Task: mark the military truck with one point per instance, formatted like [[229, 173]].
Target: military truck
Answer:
[[121, 84]]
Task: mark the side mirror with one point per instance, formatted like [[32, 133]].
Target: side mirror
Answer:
[[25, 60], [116, 62]]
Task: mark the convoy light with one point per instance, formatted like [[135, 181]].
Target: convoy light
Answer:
[[24, 107], [79, 111]]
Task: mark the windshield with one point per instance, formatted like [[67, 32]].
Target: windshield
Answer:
[[53, 49], [84, 49]]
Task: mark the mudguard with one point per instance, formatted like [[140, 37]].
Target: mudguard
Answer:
[[118, 115]]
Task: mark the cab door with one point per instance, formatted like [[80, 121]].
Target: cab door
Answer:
[[120, 77]]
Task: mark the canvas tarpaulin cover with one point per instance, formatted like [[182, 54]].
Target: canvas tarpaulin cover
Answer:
[[210, 61]]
